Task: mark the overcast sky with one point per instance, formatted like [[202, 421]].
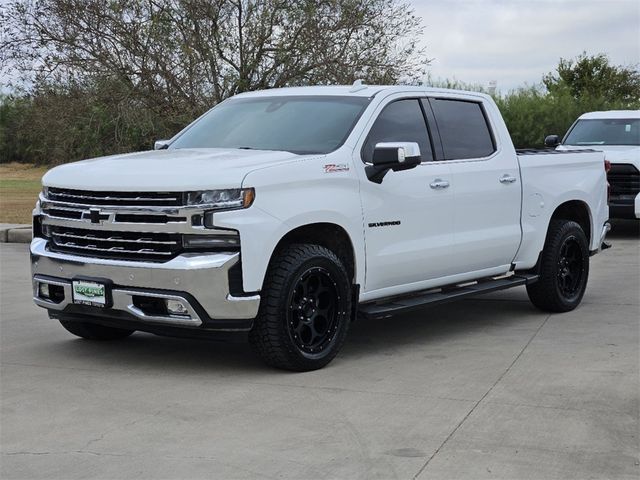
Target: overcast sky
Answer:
[[517, 41]]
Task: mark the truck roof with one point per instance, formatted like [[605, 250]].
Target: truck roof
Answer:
[[610, 114], [352, 90]]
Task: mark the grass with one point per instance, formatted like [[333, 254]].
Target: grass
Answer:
[[19, 188]]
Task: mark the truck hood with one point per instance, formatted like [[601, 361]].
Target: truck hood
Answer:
[[613, 153], [624, 155], [164, 170]]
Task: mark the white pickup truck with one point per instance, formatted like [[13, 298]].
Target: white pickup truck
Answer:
[[617, 134], [287, 213]]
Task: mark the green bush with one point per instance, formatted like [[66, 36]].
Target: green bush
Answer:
[[54, 125], [531, 113], [12, 145]]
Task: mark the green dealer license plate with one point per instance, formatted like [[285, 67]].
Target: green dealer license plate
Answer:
[[89, 293]]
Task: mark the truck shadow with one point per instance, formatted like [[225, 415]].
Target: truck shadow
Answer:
[[429, 327], [433, 327]]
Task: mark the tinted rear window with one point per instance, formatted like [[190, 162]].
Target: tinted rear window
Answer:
[[463, 129]]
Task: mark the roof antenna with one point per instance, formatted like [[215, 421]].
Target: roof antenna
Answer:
[[357, 86]]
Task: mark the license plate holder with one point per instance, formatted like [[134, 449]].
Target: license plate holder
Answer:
[[91, 292]]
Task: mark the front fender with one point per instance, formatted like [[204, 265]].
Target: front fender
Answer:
[[288, 197]]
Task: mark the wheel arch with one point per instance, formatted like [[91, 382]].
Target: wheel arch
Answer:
[[327, 234], [577, 211], [573, 210]]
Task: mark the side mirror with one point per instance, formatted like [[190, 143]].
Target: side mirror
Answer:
[[394, 156], [551, 141], [161, 144]]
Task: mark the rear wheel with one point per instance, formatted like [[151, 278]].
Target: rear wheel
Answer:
[[564, 268], [93, 331], [305, 309]]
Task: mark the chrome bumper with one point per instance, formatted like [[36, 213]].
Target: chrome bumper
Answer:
[[199, 281]]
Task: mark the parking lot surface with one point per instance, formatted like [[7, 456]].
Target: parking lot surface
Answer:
[[484, 388]]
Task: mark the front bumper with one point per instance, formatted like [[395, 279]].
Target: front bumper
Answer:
[[199, 281]]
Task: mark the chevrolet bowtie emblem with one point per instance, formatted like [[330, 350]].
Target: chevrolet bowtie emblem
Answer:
[[94, 215]]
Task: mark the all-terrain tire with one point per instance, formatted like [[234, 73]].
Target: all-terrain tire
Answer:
[[93, 331], [563, 269], [304, 313]]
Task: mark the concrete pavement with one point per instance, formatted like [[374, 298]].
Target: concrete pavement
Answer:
[[485, 388]]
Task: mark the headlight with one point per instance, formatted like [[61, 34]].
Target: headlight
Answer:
[[222, 199]]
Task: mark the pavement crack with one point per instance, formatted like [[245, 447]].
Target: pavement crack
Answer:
[[120, 427], [354, 390], [556, 407], [28, 453], [508, 369]]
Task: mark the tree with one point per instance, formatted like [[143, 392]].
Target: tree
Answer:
[[184, 54], [594, 77], [109, 76]]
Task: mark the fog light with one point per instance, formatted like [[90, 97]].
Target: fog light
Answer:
[[43, 290], [211, 241], [176, 307]]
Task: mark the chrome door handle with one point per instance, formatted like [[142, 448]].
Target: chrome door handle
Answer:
[[507, 179], [439, 184]]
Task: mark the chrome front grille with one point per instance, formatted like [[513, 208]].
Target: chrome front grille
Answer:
[[130, 199], [110, 244], [124, 225]]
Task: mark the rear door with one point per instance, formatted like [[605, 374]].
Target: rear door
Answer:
[[486, 211]]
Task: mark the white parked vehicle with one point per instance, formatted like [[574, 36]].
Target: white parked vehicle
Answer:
[[617, 134], [286, 213]]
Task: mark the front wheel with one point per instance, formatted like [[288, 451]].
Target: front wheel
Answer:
[[564, 268], [305, 310]]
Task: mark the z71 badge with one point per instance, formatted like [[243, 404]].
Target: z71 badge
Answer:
[[333, 167]]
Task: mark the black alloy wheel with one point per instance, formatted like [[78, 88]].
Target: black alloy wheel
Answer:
[[563, 268], [305, 309], [312, 318], [570, 267]]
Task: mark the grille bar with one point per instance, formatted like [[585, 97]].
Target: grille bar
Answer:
[[122, 245], [84, 197], [114, 239], [107, 197], [117, 250]]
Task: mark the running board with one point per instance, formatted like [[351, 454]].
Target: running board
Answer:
[[388, 307]]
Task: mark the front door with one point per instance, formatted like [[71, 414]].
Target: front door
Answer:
[[408, 218]]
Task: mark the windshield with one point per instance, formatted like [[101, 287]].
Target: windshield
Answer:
[[298, 124], [615, 131]]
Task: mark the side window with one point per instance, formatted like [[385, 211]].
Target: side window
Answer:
[[400, 121], [463, 128]]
